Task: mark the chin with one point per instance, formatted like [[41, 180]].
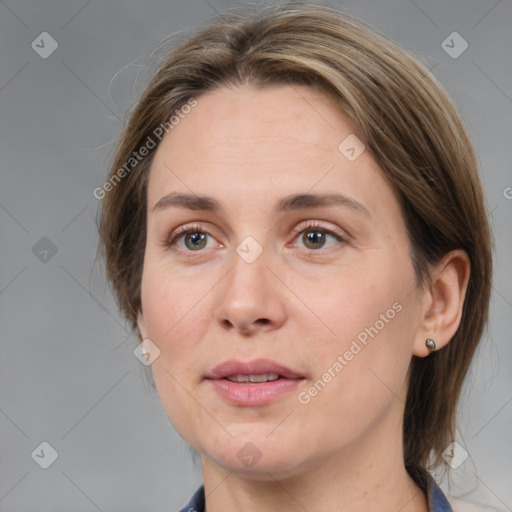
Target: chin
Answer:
[[257, 459], [263, 471]]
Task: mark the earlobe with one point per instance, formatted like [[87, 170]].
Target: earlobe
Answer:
[[444, 301]]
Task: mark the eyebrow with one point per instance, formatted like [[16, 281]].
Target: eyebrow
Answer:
[[286, 204]]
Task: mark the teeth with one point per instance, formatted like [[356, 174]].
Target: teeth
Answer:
[[264, 377]]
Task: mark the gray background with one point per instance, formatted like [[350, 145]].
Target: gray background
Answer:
[[68, 375]]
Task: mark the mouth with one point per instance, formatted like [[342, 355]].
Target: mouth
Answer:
[[254, 383], [254, 379], [252, 372]]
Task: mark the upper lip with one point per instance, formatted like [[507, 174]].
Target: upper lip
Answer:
[[254, 367]]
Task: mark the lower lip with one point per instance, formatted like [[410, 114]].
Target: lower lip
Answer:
[[254, 394]]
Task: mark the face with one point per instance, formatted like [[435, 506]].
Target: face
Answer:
[[326, 290]]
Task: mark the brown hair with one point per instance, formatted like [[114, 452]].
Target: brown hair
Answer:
[[405, 119]]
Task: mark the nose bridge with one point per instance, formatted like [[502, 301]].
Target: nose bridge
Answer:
[[249, 268]]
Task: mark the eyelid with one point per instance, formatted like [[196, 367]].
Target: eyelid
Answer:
[[318, 226], [170, 240], [315, 224]]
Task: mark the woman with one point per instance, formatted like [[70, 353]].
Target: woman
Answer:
[[295, 226]]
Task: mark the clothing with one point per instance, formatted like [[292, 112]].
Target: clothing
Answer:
[[436, 499]]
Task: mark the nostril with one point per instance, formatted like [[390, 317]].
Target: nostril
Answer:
[[227, 323]]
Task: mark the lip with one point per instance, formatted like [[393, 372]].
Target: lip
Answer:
[[254, 367], [253, 394]]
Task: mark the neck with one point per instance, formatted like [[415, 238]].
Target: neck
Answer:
[[367, 475]]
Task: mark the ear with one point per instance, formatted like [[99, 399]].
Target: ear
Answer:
[[141, 324], [443, 301]]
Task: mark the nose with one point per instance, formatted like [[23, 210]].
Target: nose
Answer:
[[251, 299]]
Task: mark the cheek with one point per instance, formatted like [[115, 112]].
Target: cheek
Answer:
[[352, 303], [168, 306], [357, 383], [177, 314], [372, 316], [165, 314], [167, 300]]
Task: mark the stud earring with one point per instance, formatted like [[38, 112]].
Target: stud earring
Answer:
[[431, 344]]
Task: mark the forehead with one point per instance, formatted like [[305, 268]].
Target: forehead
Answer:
[[248, 144], [285, 116]]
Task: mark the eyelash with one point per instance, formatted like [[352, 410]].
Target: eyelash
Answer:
[[316, 226], [170, 242]]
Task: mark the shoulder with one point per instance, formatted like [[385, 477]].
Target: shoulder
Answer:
[[459, 505]]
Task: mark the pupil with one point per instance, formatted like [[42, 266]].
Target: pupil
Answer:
[[315, 237], [197, 237]]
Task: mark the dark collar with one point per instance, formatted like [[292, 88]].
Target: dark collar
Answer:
[[436, 500]]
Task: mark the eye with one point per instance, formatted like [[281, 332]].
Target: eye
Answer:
[[314, 236], [194, 238]]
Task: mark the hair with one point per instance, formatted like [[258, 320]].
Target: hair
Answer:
[[405, 119]]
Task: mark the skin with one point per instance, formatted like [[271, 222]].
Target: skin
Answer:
[[298, 303]]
